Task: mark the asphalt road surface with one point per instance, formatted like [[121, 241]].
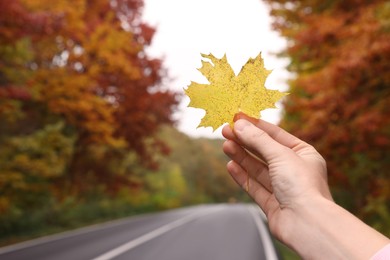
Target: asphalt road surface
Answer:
[[206, 232]]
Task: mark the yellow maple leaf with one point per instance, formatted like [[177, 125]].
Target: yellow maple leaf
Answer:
[[228, 94]]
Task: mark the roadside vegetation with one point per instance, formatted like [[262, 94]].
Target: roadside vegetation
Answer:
[[193, 172], [87, 132]]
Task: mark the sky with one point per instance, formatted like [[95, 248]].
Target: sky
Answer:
[[241, 29]]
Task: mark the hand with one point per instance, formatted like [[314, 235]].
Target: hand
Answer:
[[284, 172], [288, 180]]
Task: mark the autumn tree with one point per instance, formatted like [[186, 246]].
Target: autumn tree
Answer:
[[340, 94], [203, 166], [76, 75]]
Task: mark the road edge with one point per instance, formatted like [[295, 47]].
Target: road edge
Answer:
[[268, 245]]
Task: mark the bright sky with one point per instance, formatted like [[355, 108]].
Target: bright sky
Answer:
[[186, 28]]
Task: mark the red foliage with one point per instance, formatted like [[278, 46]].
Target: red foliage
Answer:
[[84, 62], [339, 102]]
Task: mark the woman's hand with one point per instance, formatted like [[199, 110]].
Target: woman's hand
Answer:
[[287, 178], [284, 172]]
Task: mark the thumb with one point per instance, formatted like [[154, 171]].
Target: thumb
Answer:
[[258, 141]]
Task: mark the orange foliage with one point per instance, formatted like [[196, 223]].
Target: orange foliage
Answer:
[[83, 63], [339, 102]]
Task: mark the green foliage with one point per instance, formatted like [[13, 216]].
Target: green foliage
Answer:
[[193, 172], [16, 55], [83, 64], [377, 213], [285, 252], [78, 118], [203, 165], [29, 163], [167, 188], [82, 107], [54, 216]]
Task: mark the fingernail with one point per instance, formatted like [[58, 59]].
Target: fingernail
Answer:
[[237, 116], [241, 124]]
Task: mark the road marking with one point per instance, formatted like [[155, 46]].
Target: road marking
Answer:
[[152, 234], [269, 248], [66, 234]]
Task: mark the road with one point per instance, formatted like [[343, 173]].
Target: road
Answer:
[[215, 232]]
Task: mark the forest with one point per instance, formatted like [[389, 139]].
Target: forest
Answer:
[[339, 98], [87, 131], [86, 128]]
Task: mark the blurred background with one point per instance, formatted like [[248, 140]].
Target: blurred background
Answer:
[[94, 124]]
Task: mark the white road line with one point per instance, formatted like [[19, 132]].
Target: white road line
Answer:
[[269, 248], [65, 235], [152, 234]]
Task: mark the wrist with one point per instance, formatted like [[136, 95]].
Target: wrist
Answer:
[[305, 236], [328, 231]]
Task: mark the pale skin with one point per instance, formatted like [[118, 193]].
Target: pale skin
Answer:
[[288, 180]]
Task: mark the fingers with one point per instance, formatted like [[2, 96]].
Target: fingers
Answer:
[[228, 133], [258, 192], [254, 167], [259, 141], [275, 132]]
